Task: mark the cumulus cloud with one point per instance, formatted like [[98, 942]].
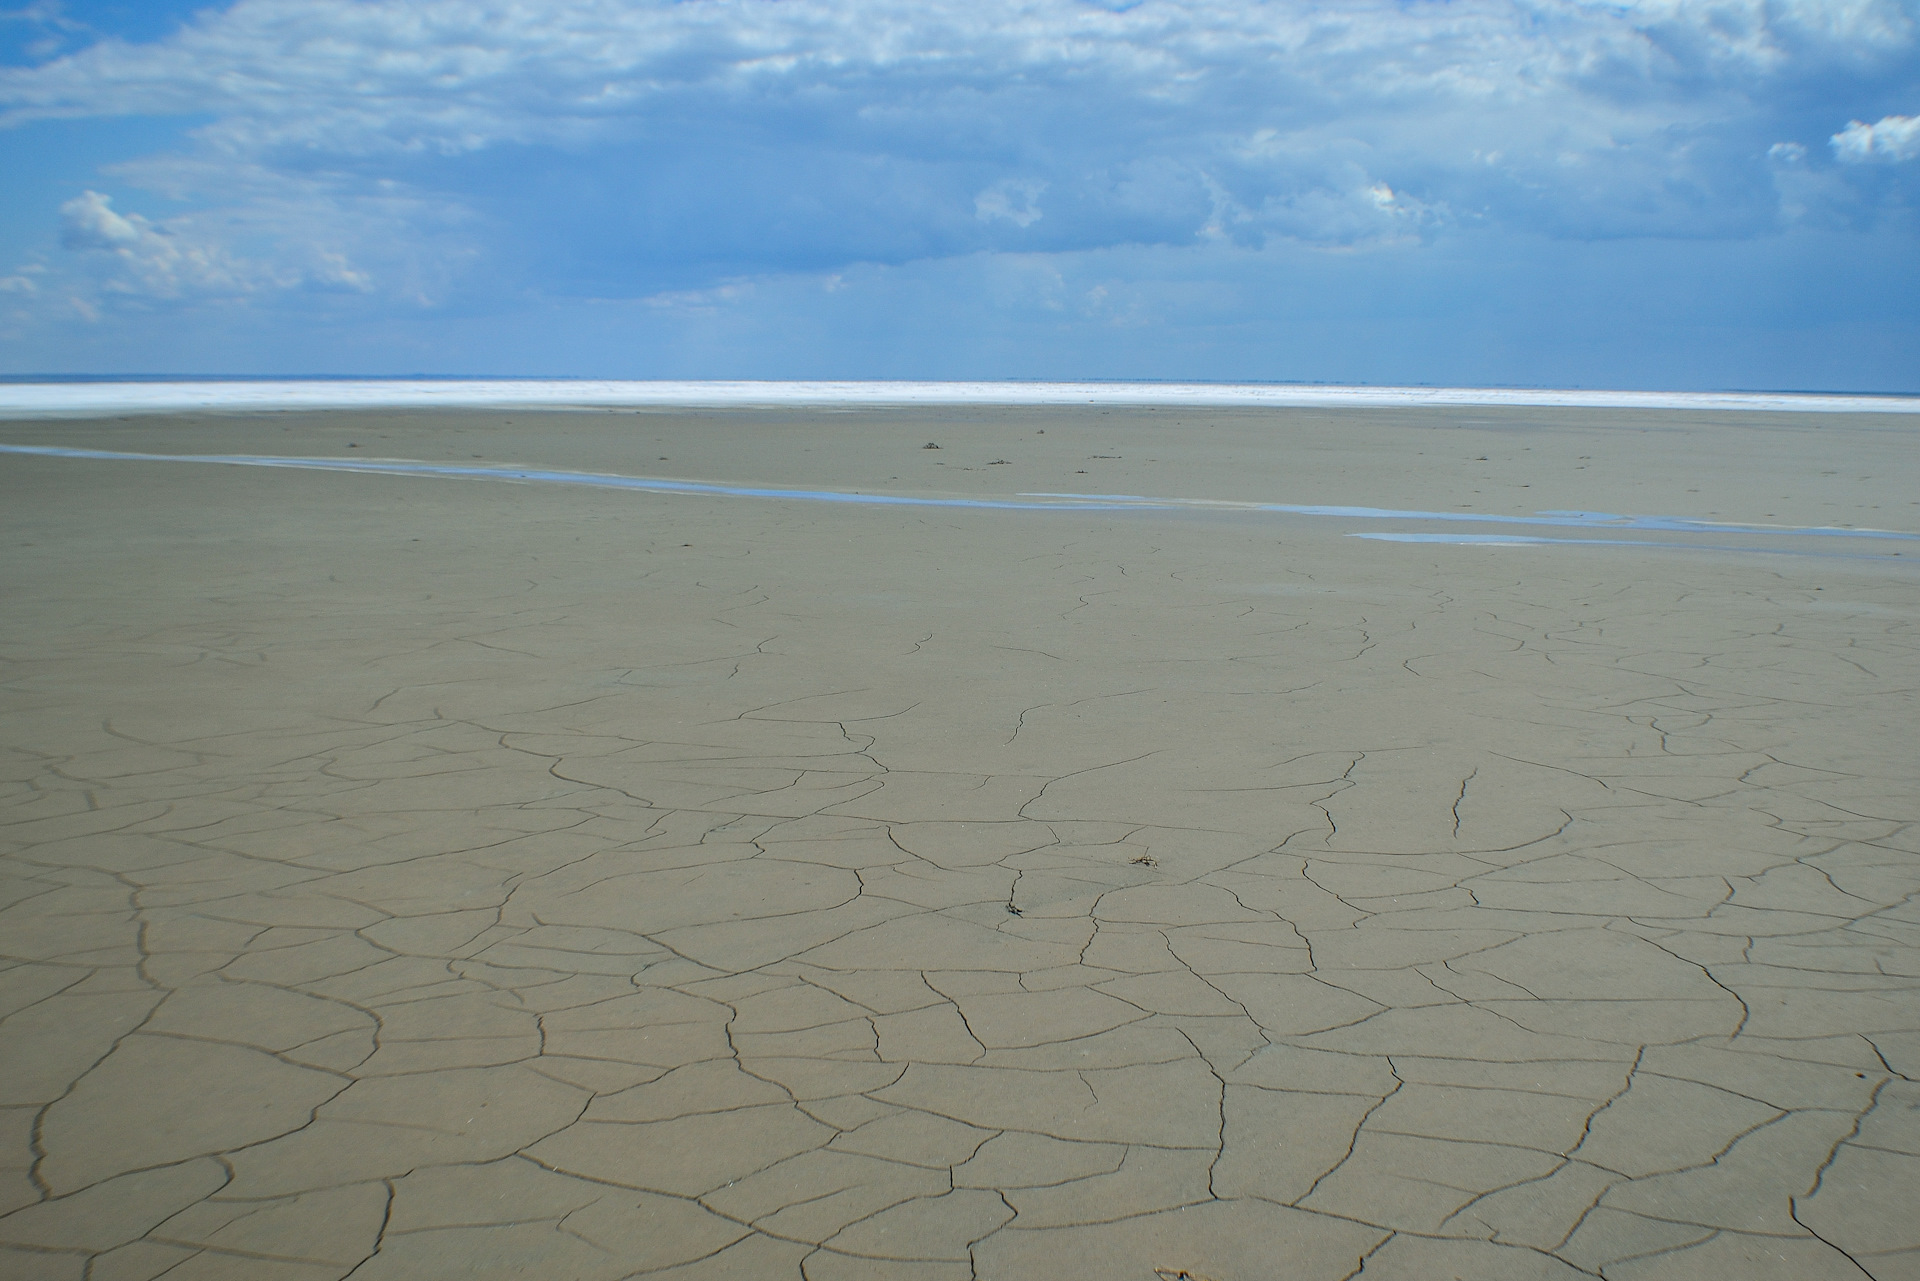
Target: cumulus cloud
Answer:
[[89, 222], [1889, 140], [139, 258]]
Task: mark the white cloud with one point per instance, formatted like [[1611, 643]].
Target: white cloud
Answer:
[[361, 76], [1891, 139], [702, 300], [1013, 200], [1767, 34], [136, 257], [52, 30], [278, 241], [89, 222]]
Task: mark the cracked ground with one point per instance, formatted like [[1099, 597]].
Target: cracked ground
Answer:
[[412, 878]]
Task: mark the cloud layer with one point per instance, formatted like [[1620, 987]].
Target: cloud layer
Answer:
[[462, 153]]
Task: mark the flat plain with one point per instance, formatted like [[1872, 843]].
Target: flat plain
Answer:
[[416, 878]]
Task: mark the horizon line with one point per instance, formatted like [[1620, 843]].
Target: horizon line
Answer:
[[21, 396]]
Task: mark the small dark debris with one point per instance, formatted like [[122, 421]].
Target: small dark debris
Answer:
[[1013, 911], [999, 462], [929, 445], [1147, 860]]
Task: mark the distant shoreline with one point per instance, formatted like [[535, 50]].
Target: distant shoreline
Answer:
[[94, 398]]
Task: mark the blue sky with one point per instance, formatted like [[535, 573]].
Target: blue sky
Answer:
[[1541, 192]]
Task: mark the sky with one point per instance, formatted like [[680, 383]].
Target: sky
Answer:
[[1643, 193]]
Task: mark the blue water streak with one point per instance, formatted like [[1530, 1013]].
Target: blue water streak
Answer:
[[596, 480], [1537, 540], [1555, 519], [1021, 502]]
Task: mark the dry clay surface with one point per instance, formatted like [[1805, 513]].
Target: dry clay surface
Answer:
[[410, 878]]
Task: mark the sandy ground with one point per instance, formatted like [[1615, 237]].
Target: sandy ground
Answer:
[[414, 878]]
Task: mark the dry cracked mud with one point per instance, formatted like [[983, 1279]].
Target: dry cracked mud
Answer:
[[414, 878]]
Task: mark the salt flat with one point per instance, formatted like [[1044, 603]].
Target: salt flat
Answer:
[[415, 876]]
